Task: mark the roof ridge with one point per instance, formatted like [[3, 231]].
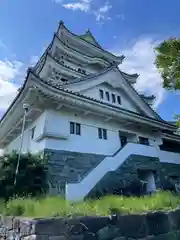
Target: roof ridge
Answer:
[[130, 74], [89, 33], [62, 24]]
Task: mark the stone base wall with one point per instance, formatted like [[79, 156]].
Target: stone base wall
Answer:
[[65, 166], [128, 172], [154, 226]]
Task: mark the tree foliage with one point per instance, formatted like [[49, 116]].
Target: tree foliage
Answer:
[[31, 179], [168, 62], [177, 117]]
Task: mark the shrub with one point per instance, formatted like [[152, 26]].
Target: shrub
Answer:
[[31, 178]]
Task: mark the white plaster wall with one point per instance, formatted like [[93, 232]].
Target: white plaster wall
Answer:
[[30, 145], [169, 157], [88, 142], [57, 124], [126, 103]]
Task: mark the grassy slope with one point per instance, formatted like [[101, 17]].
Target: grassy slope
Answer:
[[54, 206]]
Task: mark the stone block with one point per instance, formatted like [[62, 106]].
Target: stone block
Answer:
[[133, 226], [6, 221], [174, 217], [51, 227], [89, 236], [94, 224], [57, 238], [108, 233], [166, 236], [157, 223], [77, 228], [78, 237], [36, 237]]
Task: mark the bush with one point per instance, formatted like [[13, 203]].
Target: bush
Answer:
[[31, 178]]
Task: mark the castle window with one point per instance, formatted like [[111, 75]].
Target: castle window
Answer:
[[32, 132], [105, 134], [102, 133], [119, 100], [107, 96], [75, 128], [78, 129], [113, 98], [143, 140], [63, 80], [101, 93]]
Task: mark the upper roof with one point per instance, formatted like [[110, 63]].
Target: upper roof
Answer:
[[92, 42], [89, 38]]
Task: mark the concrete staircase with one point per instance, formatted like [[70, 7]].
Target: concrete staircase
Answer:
[[78, 191]]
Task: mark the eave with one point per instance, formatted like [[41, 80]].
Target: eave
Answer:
[[172, 137], [75, 100], [64, 92], [116, 59], [72, 73], [84, 58], [76, 53], [148, 99], [131, 78]]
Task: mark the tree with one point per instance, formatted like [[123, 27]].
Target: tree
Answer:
[[168, 62], [31, 179]]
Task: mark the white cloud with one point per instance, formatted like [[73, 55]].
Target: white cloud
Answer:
[[105, 8], [140, 59], [83, 5], [9, 71], [101, 13]]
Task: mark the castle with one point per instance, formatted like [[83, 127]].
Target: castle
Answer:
[[85, 113]]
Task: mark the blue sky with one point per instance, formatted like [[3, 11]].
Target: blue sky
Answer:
[[125, 27]]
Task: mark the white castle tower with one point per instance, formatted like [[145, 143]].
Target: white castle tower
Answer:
[[85, 111]]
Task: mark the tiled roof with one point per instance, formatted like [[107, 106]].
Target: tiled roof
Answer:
[[90, 38], [59, 87], [61, 24], [91, 76]]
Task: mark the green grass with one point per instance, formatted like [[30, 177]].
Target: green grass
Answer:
[[55, 206]]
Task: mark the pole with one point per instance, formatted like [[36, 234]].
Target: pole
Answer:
[[21, 144]]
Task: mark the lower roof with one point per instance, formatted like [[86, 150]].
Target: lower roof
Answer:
[[61, 89]]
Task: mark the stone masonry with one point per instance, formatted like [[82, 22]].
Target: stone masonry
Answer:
[[150, 226], [65, 166], [128, 172], [71, 167]]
